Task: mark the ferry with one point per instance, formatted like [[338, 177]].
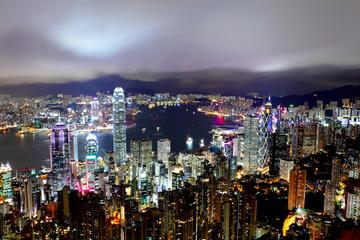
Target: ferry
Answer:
[[202, 143]]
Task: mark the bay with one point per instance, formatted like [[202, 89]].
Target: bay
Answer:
[[175, 123]]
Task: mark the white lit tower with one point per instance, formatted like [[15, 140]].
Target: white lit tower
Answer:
[[95, 110], [60, 157], [251, 150], [163, 150], [5, 183], [119, 126], [91, 149], [265, 125]]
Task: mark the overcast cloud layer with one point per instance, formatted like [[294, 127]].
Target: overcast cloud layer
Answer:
[[52, 41]]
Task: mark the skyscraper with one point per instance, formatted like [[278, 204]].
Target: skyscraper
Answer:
[[163, 150], [95, 110], [5, 183], [91, 149], [141, 152], [277, 152], [119, 126], [297, 188], [60, 157], [265, 126], [251, 145]]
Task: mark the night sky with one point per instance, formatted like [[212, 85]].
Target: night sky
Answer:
[[59, 41]]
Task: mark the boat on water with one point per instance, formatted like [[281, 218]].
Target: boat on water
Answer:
[[143, 130], [202, 144], [189, 140]]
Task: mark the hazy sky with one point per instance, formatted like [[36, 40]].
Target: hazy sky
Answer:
[[66, 40]]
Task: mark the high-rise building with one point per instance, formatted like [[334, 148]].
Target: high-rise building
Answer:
[[119, 126], [141, 152], [335, 171], [353, 204], [28, 198], [91, 149], [76, 149], [251, 145], [309, 139], [265, 126], [95, 110], [5, 183], [277, 152], [60, 157], [329, 200], [163, 150], [285, 167], [330, 188], [178, 177], [297, 188], [297, 141]]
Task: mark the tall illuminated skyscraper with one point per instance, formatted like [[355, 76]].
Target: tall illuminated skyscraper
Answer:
[[297, 188], [91, 148], [5, 183], [119, 126], [76, 150], [264, 134], [95, 110], [163, 150], [251, 145], [60, 157], [141, 152]]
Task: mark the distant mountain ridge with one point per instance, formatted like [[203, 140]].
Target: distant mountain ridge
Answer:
[[305, 82], [337, 94]]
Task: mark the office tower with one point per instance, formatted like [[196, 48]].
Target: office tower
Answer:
[[5, 183], [16, 193], [265, 127], [112, 168], [91, 149], [285, 167], [251, 145], [277, 152], [64, 202], [329, 200], [330, 188], [163, 150], [335, 171], [119, 126], [141, 153], [60, 157], [95, 110], [76, 149], [319, 104], [248, 221], [309, 139], [297, 188], [297, 141], [28, 198], [178, 177]]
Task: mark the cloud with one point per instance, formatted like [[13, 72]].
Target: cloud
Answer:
[[50, 41]]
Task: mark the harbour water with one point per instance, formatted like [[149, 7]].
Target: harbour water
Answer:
[[174, 123]]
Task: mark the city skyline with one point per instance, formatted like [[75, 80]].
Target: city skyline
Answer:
[[176, 120]]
